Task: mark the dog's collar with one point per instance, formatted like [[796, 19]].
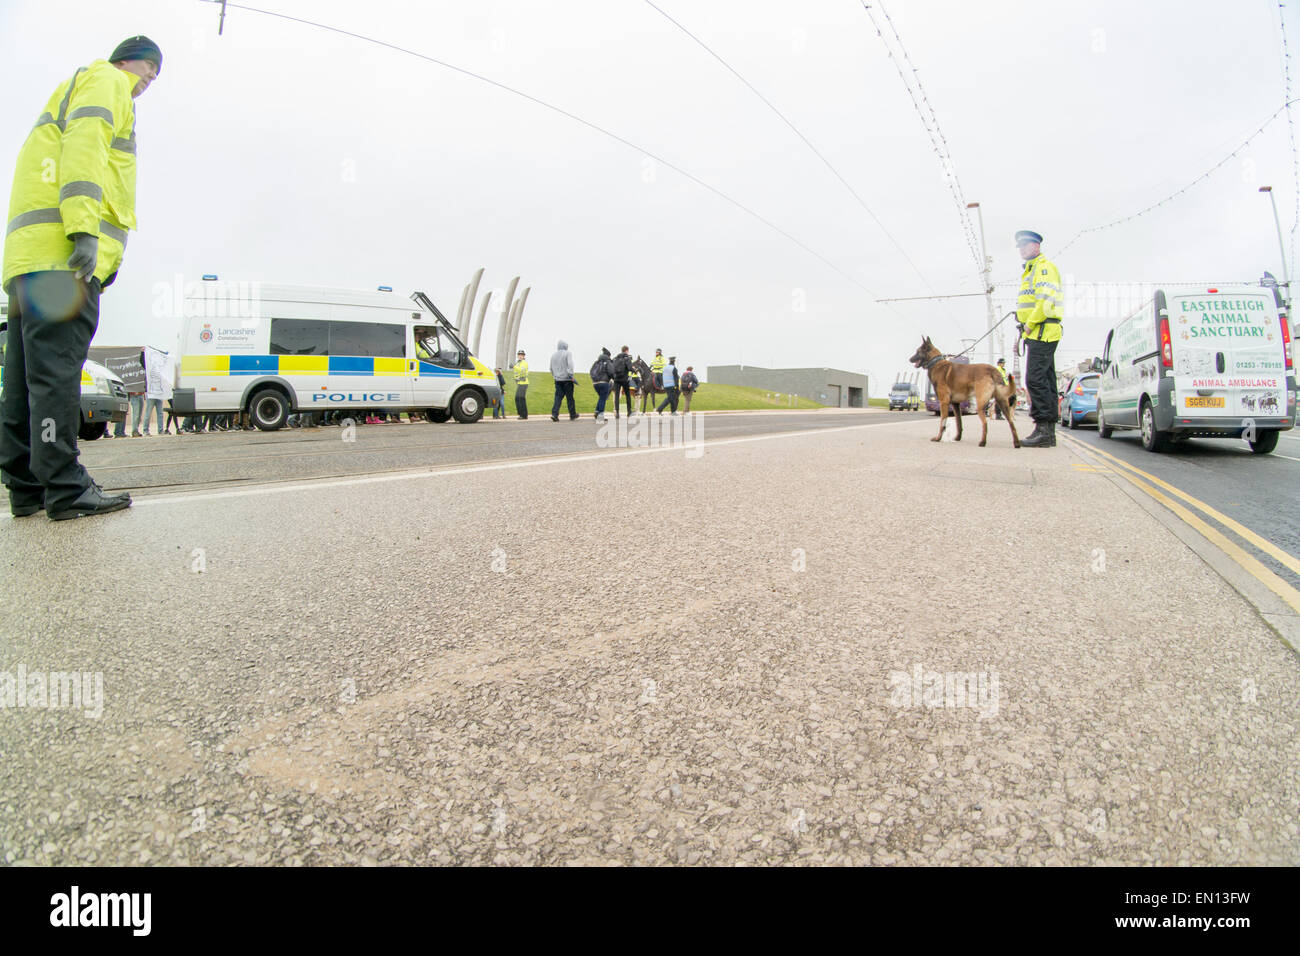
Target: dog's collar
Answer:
[[933, 362]]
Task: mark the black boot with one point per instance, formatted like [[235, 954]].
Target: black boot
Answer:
[[1043, 436]]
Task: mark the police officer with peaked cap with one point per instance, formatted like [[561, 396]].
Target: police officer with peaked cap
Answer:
[[1039, 311]]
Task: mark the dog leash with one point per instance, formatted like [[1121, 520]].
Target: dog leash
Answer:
[[971, 347]]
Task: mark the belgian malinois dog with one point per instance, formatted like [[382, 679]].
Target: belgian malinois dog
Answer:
[[954, 383]]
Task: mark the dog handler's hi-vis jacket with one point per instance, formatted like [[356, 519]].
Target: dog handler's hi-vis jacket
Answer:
[[521, 372], [1040, 308], [75, 173]]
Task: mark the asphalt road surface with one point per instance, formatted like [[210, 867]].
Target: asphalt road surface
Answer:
[[1262, 492], [834, 643], [231, 459]]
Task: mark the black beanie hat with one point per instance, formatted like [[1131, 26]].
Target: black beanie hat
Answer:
[[138, 48]]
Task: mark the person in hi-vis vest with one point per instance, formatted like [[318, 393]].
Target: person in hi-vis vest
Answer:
[[71, 206]]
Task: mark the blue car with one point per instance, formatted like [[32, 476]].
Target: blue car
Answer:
[[1078, 405]]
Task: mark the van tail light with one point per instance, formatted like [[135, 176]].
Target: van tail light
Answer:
[[1286, 339], [1166, 345]]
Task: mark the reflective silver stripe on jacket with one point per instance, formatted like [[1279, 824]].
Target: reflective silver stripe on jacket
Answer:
[[103, 112], [125, 145], [62, 121], [39, 217], [33, 217], [113, 232], [82, 187]]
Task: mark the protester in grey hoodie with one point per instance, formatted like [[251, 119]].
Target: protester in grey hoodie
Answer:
[[562, 372]]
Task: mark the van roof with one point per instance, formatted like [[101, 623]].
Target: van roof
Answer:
[[278, 292]]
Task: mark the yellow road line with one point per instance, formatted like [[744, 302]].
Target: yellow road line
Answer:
[[1251, 565], [1268, 547]]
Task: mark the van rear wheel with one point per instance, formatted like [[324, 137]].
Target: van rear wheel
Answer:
[[438, 415], [1264, 443], [269, 409], [1152, 440]]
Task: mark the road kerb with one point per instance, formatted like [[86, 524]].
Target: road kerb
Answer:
[[1287, 594]]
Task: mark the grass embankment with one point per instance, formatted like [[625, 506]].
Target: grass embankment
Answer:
[[708, 398]]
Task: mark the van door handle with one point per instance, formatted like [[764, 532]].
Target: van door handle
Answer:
[[1218, 362]]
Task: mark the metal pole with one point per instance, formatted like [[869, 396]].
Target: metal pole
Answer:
[[988, 275], [1286, 273]]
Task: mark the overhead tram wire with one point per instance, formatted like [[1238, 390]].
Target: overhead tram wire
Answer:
[[1174, 195], [563, 112], [937, 140], [943, 140], [1291, 126], [816, 152]]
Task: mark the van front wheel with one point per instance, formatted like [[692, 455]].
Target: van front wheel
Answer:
[[438, 415], [269, 409], [467, 407], [1104, 430], [1264, 443]]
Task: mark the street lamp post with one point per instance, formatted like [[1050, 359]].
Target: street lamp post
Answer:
[[1286, 274], [988, 272]]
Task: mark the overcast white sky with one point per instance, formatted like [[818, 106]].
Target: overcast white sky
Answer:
[[281, 152]]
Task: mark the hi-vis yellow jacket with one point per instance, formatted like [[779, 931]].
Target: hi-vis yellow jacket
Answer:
[[75, 173], [1040, 308], [657, 366], [521, 372]]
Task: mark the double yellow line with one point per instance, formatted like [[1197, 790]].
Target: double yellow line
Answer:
[[1152, 485]]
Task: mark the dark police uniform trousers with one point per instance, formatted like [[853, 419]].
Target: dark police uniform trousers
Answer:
[[1040, 380], [52, 318]]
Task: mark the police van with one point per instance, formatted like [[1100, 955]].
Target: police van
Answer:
[[271, 350], [103, 394], [1211, 364]]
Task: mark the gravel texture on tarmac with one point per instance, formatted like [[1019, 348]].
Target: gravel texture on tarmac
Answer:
[[651, 659]]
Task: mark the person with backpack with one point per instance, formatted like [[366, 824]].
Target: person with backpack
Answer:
[[689, 384], [623, 370], [602, 376]]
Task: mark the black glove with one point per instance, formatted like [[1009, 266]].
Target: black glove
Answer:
[[85, 254]]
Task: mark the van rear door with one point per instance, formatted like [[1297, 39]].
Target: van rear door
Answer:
[[1228, 358]]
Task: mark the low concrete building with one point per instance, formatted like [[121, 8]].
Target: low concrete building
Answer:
[[826, 386]]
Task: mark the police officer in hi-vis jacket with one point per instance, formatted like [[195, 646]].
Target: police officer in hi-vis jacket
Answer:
[[1039, 312], [72, 203]]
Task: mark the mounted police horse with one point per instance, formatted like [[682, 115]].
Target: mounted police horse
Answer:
[[649, 387]]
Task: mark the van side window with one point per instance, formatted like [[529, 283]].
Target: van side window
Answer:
[[367, 338], [299, 337]]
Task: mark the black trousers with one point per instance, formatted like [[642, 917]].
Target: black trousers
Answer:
[[521, 401], [564, 390], [1040, 380], [52, 318], [670, 394], [626, 389]]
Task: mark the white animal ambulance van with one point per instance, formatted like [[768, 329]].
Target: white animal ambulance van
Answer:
[[1214, 363], [270, 350]]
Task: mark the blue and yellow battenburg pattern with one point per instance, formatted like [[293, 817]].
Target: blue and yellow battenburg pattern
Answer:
[[356, 365]]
